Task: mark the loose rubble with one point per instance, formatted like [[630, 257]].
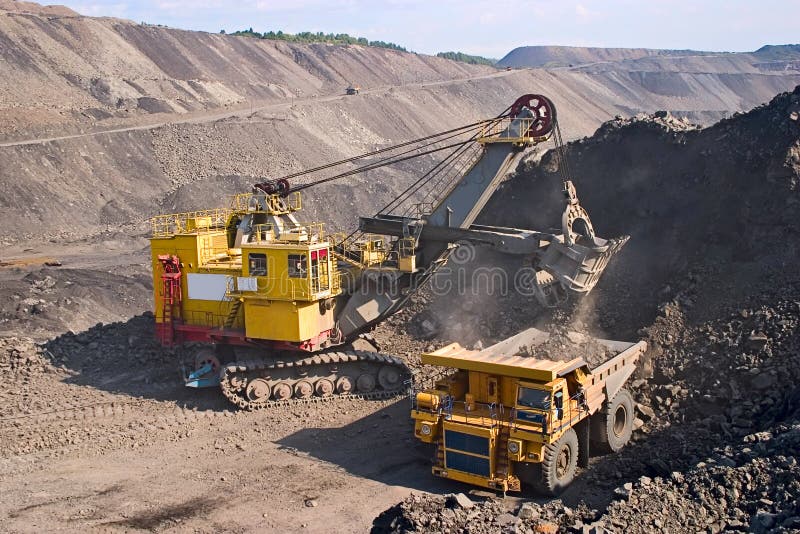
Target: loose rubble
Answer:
[[457, 513], [717, 426]]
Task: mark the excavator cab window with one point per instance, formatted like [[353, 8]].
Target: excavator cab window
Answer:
[[257, 264], [297, 266]]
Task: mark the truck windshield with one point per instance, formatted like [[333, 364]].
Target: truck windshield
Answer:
[[534, 398]]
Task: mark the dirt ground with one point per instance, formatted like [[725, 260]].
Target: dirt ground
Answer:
[[97, 431], [100, 432]]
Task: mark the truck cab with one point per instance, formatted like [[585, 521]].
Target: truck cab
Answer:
[[497, 415]]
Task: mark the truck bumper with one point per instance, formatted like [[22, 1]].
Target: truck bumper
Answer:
[[510, 483]]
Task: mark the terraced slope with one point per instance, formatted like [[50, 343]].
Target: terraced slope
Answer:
[[104, 122]]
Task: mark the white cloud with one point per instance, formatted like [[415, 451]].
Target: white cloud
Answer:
[[585, 14]]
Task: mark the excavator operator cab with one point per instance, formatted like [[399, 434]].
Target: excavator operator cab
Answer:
[[371, 250]]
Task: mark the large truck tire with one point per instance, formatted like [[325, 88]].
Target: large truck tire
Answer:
[[559, 463], [618, 419]]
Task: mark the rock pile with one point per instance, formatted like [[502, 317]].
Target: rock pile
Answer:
[[752, 485], [122, 345], [457, 513], [721, 203], [21, 356], [713, 293], [567, 341]]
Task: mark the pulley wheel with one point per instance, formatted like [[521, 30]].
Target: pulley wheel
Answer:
[[543, 110]]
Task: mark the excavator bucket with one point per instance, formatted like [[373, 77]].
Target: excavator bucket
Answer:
[[572, 263], [573, 269]]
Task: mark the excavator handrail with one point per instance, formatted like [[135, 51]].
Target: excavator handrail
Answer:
[[199, 221]]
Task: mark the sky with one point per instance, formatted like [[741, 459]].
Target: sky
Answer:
[[489, 28]]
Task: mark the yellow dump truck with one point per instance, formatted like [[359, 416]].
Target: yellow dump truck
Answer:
[[501, 416]]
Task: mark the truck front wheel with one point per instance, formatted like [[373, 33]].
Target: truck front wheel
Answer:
[[558, 464], [619, 421]]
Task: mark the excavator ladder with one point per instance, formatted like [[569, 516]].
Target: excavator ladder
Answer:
[[170, 298], [230, 320]]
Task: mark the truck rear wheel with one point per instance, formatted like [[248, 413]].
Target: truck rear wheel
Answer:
[[618, 421], [558, 464]]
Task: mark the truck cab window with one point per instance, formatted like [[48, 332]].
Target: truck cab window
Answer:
[[538, 399], [297, 266], [257, 265], [558, 400]]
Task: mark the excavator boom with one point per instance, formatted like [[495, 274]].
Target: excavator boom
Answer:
[[566, 263]]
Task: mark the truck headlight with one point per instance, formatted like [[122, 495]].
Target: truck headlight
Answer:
[[513, 447], [425, 430]]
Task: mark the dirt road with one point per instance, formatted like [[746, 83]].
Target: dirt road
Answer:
[[238, 111]]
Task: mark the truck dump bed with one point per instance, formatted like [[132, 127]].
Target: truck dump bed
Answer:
[[517, 357]]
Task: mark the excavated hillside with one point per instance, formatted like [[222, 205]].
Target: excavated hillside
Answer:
[[568, 56], [105, 122], [720, 203], [72, 72], [778, 57], [708, 280]]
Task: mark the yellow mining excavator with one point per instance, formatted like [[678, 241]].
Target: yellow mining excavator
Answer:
[[277, 303]]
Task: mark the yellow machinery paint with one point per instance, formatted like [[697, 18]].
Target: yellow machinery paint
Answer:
[[276, 284], [192, 248], [498, 415]]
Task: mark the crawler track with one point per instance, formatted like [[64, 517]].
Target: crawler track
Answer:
[[259, 384]]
